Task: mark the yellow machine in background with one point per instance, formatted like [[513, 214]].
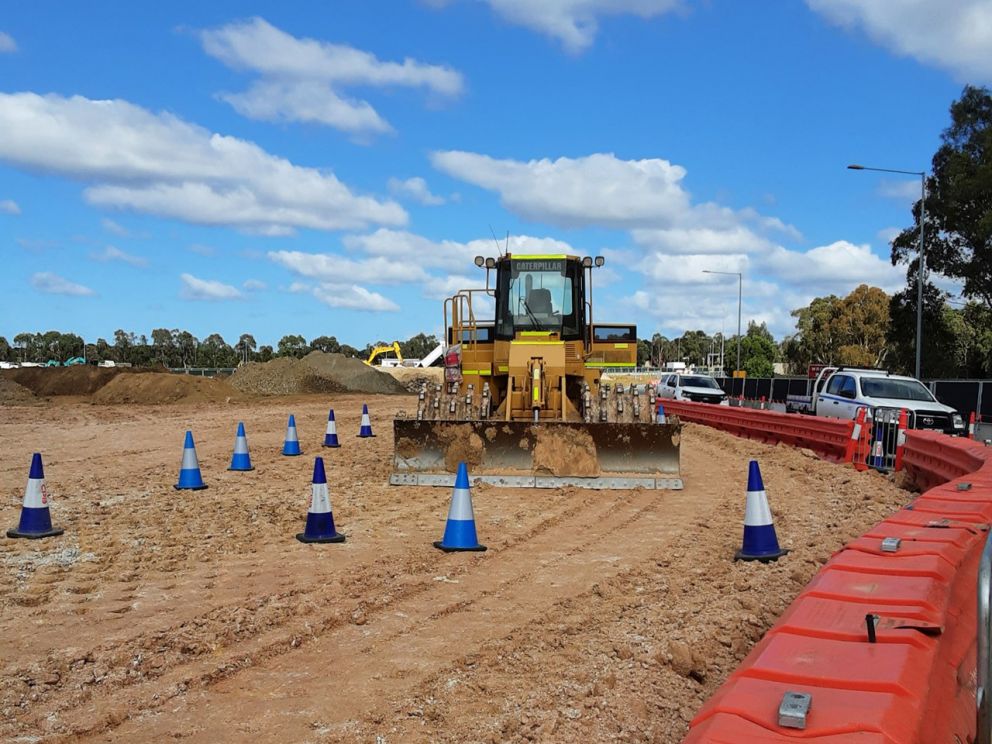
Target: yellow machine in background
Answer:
[[523, 402], [378, 350]]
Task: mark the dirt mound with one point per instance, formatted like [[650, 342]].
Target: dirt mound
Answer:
[[82, 379], [12, 394], [412, 378], [171, 388], [315, 373]]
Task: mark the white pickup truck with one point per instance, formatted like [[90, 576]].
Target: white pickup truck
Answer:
[[840, 391]]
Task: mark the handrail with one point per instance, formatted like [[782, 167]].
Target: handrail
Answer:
[[983, 700]]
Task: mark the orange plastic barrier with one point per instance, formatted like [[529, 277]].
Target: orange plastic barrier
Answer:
[[916, 683], [828, 437]]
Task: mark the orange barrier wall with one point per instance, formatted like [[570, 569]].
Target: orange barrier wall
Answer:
[[916, 684]]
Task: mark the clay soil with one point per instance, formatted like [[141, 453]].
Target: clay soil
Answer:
[[196, 616]]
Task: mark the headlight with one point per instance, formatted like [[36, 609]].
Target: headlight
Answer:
[[957, 421]]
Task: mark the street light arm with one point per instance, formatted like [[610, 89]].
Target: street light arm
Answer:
[[886, 170]]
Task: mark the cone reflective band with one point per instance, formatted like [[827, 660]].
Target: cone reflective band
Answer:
[[366, 428], [189, 472], [320, 519], [36, 519], [459, 532], [661, 413], [760, 541], [291, 447], [331, 437], [241, 459]]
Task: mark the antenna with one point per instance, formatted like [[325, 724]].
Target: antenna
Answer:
[[498, 249], [507, 241]]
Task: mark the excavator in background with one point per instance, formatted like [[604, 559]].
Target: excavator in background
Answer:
[[379, 350], [523, 402]]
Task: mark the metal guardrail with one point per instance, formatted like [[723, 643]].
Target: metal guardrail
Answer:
[[983, 700]]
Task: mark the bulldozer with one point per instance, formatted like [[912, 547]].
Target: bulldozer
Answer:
[[523, 401]]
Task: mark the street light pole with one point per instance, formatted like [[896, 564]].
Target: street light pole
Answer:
[[921, 265], [740, 295]]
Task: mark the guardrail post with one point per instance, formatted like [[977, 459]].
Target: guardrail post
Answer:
[[982, 698]]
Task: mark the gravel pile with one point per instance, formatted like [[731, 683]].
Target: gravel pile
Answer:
[[12, 394], [315, 373]]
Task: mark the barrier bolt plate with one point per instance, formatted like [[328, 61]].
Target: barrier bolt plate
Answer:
[[794, 709], [891, 544]]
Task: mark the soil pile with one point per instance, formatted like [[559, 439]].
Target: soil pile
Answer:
[[315, 373], [413, 378], [12, 394], [82, 379], [172, 388]]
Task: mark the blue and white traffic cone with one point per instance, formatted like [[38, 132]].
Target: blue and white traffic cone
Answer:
[[661, 413], [189, 472], [320, 520], [36, 520], [459, 532], [760, 541], [291, 447], [878, 447], [331, 437], [241, 459], [366, 428]]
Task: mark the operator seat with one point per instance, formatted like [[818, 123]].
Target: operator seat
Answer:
[[539, 301]]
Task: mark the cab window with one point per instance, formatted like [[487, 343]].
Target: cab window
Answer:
[[834, 386], [848, 388]]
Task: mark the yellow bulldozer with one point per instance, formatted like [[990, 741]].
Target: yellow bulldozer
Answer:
[[523, 402]]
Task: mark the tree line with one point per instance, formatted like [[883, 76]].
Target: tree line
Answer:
[[179, 348]]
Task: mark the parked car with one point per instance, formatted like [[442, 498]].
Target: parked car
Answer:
[[695, 388], [840, 391]]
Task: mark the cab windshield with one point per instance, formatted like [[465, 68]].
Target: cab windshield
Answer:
[[700, 382], [539, 295]]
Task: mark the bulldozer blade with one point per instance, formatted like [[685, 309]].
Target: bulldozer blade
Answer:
[[548, 454]]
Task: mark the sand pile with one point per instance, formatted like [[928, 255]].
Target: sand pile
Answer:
[[412, 378], [315, 373], [12, 394], [172, 388], [82, 379]]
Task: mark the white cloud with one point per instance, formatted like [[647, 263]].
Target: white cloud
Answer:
[[888, 234], [254, 285], [202, 250], [160, 164], [330, 267], [111, 253], [348, 296], [598, 189], [416, 189], [7, 43], [302, 78], [115, 228], [207, 289], [837, 267], [701, 240], [574, 23], [955, 36], [9, 206], [50, 283]]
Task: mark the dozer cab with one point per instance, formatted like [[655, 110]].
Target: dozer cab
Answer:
[[523, 402]]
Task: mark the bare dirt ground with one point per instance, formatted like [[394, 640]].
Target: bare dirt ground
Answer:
[[196, 616]]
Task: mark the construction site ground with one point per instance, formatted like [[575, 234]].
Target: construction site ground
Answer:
[[197, 616]]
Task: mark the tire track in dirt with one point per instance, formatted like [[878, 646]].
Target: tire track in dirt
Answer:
[[384, 652]]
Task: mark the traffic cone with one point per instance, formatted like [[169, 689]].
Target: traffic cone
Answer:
[[661, 413], [366, 429], [320, 520], [459, 532], [241, 460], [36, 520], [291, 447], [760, 541], [189, 472], [331, 437]]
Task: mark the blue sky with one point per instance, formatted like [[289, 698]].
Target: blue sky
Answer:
[[331, 169]]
